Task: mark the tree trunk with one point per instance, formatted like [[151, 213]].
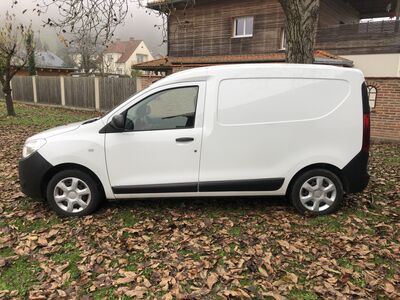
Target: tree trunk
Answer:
[[9, 100], [301, 24]]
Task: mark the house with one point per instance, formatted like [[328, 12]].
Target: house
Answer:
[[209, 32], [48, 59], [119, 57], [48, 64]]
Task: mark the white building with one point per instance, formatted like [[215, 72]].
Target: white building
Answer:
[[121, 55]]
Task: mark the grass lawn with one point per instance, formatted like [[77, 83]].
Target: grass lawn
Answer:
[[234, 248]]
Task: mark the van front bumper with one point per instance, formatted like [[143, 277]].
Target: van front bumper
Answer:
[[32, 171]]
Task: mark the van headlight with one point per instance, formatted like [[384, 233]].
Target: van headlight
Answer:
[[31, 146]]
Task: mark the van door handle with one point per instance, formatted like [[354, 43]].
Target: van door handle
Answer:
[[184, 140]]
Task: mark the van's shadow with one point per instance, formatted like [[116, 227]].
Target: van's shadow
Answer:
[[253, 203]]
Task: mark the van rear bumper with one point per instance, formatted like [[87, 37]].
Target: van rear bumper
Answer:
[[31, 173], [355, 173]]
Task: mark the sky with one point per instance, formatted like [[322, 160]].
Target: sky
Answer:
[[139, 24]]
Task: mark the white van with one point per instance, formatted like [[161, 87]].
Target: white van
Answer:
[[237, 130]]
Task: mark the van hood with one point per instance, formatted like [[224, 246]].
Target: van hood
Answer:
[[56, 131]]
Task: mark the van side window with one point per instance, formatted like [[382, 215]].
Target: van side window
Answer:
[[169, 109]]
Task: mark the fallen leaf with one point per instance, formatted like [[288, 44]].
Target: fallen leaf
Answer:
[[124, 280], [262, 271], [61, 293], [283, 244], [389, 288], [291, 277], [42, 241], [211, 280], [139, 294]]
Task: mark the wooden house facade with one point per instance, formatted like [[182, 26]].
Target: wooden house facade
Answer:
[[208, 27]]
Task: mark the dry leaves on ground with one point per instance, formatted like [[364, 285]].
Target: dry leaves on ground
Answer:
[[247, 248]]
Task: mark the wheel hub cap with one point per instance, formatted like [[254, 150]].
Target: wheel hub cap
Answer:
[[72, 194], [318, 193]]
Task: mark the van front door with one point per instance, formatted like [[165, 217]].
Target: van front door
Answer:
[[159, 151]]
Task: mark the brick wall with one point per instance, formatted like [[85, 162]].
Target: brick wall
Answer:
[[385, 117]]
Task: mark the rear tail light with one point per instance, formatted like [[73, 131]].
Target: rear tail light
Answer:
[[366, 119], [366, 132]]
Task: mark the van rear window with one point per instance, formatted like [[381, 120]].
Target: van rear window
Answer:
[[269, 100]]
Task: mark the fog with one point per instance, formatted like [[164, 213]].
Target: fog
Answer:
[[140, 24]]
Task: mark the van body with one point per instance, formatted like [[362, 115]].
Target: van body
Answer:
[[235, 130]]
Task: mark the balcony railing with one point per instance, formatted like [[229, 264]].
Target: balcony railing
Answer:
[[360, 38]]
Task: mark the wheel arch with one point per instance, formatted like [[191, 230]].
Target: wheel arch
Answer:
[[335, 170], [68, 166]]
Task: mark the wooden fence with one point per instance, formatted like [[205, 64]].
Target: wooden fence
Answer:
[[22, 88], [79, 92], [112, 91], [48, 90]]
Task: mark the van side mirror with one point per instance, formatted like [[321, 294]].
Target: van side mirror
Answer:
[[118, 122]]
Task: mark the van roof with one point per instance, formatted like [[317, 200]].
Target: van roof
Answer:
[[245, 70]]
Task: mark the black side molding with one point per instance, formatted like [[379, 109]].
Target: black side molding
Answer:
[[187, 187], [249, 185]]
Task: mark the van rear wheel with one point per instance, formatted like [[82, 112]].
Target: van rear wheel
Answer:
[[317, 192], [73, 193]]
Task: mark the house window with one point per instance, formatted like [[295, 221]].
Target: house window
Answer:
[[110, 58], [372, 92], [283, 39], [141, 58], [243, 27], [120, 71]]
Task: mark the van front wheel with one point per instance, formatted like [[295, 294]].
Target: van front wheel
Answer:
[[317, 192], [73, 193]]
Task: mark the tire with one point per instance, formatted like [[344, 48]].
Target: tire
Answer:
[[323, 190], [78, 193]]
